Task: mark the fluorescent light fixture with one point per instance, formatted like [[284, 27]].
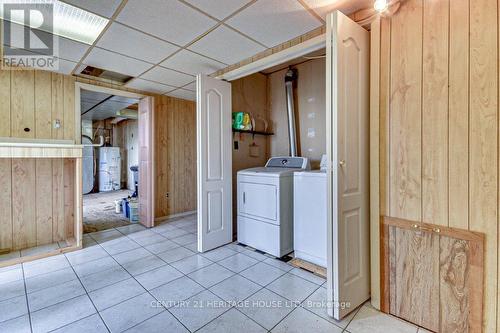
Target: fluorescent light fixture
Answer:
[[69, 21]]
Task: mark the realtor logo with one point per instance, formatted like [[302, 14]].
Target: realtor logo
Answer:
[[27, 36]]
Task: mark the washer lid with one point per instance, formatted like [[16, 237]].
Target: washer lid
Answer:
[[314, 173], [271, 172]]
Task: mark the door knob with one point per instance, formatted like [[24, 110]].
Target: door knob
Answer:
[[342, 163]]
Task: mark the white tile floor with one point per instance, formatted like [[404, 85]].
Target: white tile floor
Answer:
[[136, 280]]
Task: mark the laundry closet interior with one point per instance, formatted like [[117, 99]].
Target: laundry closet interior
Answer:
[[263, 97], [298, 156]]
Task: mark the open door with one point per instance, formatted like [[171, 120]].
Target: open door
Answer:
[[348, 154], [146, 166], [214, 156]]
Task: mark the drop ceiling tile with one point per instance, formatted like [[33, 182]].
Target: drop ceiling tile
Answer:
[[274, 22], [149, 86], [183, 94], [121, 39], [191, 86], [71, 50], [170, 20], [65, 66], [323, 7], [219, 9], [167, 76], [192, 63], [226, 46], [115, 62], [104, 8]]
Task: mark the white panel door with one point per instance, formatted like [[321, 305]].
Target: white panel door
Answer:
[[348, 154], [214, 156], [146, 158]]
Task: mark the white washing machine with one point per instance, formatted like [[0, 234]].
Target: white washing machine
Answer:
[[310, 190], [265, 205]]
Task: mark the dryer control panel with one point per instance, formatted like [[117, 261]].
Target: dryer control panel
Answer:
[[289, 162]]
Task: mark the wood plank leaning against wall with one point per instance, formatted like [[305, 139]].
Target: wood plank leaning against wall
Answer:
[[36, 197], [439, 122]]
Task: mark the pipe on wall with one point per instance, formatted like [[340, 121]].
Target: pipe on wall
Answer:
[[290, 78]]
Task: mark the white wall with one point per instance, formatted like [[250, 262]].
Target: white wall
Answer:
[[310, 105]]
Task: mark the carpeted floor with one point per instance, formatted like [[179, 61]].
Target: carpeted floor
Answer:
[[99, 211]]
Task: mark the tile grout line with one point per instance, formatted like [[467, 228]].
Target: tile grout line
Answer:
[[147, 291], [74, 322], [26, 295], [204, 288], [77, 277], [186, 276], [252, 294], [88, 296], [295, 307]]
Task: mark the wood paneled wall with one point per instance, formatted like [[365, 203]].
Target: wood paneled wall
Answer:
[[249, 94], [31, 101], [439, 122], [175, 156], [36, 196]]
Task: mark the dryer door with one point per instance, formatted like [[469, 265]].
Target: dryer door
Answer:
[[259, 201]]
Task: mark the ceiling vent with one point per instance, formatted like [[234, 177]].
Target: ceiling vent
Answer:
[[102, 74]]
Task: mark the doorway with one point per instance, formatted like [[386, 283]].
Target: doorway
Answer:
[[346, 206], [110, 133]]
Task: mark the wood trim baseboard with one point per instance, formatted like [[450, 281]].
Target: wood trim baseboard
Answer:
[[163, 218], [72, 246]]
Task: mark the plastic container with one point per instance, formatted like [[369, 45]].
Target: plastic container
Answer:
[[125, 208], [134, 211]]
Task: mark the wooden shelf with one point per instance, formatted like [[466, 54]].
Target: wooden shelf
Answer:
[[39, 150], [252, 132]]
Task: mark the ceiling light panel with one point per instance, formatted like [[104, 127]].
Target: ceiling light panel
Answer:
[[104, 8], [69, 21]]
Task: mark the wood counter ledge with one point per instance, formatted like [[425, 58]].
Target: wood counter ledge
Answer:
[[19, 148]]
